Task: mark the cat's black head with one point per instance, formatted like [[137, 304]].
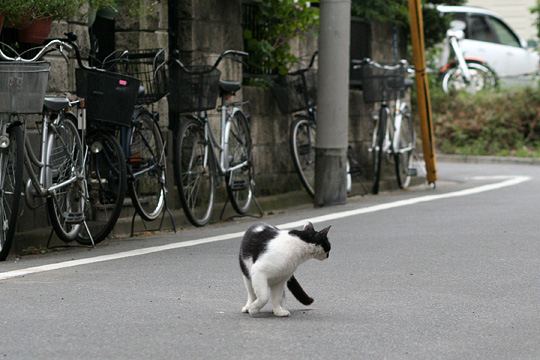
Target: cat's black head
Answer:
[[317, 238]]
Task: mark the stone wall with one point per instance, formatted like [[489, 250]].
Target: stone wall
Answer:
[[202, 30]]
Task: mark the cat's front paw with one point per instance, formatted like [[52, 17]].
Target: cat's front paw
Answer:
[[245, 309], [282, 312]]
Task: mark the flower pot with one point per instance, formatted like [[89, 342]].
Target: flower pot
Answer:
[[36, 32]]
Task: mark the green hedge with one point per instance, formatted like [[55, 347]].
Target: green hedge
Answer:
[[489, 123]]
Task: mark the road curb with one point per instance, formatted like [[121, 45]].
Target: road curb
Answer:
[[474, 159]]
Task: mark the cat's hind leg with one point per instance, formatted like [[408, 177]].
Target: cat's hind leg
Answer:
[[259, 282], [250, 294], [278, 298]]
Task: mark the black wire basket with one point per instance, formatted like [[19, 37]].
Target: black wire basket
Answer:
[[295, 92], [149, 66], [110, 97], [195, 91], [382, 84]]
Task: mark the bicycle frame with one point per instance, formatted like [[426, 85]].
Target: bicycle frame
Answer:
[[31, 160], [391, 141], [227, 111]]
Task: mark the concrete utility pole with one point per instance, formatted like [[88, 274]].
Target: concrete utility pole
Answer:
[[333, 103]]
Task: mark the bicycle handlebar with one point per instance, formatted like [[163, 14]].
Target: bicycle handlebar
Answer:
[[55, 44], [225, 54]]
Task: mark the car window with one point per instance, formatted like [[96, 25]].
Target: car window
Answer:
[[480, 30], [504, 34]]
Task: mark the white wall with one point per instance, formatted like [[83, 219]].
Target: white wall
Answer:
[[516, 13]]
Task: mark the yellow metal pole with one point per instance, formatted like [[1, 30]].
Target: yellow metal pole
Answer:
[[424, 101]]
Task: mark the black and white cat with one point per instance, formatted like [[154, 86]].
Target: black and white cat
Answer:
[[268, 258]]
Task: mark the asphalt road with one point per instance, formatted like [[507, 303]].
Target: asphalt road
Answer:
[[431, 277]]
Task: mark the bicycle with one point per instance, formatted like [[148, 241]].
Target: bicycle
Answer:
[[110, 100], [463, 73], [198, 156], [61, 177], [296, 94], [143, 142], [397, 137]]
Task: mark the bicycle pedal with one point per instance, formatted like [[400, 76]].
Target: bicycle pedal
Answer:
[[412, 172], [239, 185], [74, 218]]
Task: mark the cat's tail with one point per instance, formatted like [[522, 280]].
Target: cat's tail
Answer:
[[298, 292]]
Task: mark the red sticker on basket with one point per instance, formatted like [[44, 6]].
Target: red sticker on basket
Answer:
[[122, 82]]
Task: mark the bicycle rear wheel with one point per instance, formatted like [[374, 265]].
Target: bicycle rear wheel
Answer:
[[64, 166], [146, 164], [239, 180], [403, 154], [377, 148], [106, 186], [194, 171], [11, 172], [302, 145]]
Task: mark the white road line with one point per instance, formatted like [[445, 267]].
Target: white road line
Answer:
[[510, 181]]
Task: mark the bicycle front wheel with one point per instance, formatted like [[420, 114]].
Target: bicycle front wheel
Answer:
[[106, 186], [302, 145], [194, 171], [239, 176], [146, 164], [377, 148], [403, 153], [64, 166], [11, 172]]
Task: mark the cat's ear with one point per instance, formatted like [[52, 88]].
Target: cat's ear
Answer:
[[325, 230], [309, 227]]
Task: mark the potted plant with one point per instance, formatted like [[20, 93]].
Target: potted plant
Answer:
[[40, 14], [10, 11]]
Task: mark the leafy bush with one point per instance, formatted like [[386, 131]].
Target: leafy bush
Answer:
[[276, 23], [396, 12], [489, 123]]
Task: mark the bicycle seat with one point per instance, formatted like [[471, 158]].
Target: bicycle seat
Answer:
[[229, 87], [55, 103]]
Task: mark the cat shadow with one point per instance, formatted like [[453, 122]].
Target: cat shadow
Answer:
[[270, 314]]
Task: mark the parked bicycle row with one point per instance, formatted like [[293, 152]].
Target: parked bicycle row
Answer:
[[106, 142], [393, 137]]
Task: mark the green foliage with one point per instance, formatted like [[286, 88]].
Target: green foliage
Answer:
[[277, 22], [396, 12], [535, 10], [489, 123], [18, 11]]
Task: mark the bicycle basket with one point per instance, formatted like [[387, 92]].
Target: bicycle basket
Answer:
[[381, 84], [295, 92], [195, 91], [149, 67], [23, 86], [110, 97]]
